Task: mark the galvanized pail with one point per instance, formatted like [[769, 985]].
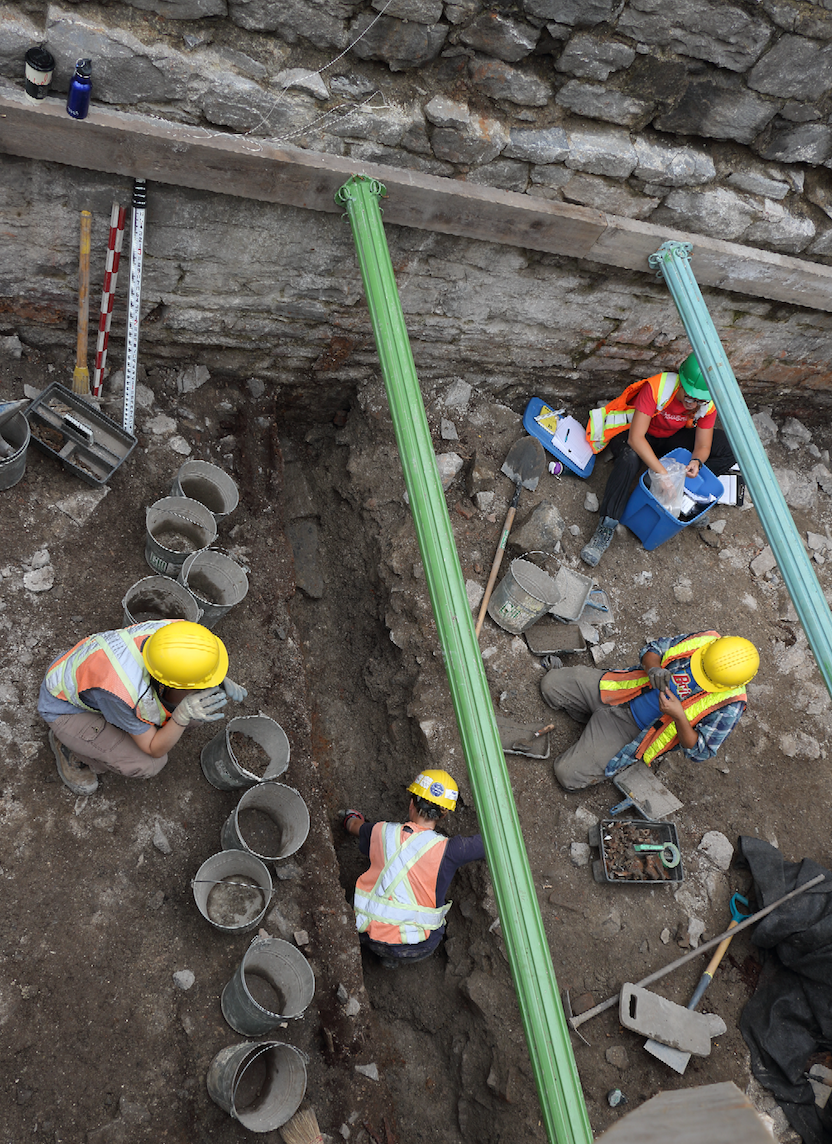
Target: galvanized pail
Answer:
[[18, 434], [216, 581], [159, 598], [270, 820], [259, 1083], [176, 527], [207, 484], [233, 890], [522, 597], [219, 759], [272, 983]]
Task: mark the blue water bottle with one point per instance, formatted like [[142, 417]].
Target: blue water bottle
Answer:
[[78, 98]]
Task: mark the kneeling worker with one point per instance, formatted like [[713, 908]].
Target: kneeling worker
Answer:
[[687, 691], [400, 902], [119, 700]]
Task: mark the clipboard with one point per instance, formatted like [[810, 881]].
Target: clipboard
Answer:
[[560, 435]]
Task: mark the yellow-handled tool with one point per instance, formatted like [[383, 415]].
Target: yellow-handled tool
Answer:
[[81, 375]]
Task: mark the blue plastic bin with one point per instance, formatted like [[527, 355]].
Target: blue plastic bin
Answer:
[[652, 523]]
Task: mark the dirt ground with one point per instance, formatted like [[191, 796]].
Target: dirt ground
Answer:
[[335, 641]]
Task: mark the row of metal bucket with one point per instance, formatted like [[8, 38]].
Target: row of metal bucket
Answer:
[[259, 1083], [194, 581]]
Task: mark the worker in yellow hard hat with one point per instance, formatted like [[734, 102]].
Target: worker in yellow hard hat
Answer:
[[687, 691], [399, 902], [119, 700]]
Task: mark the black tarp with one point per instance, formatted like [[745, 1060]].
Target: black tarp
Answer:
[[789, 1018]]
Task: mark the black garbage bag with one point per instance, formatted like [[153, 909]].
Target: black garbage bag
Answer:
[[789, 1018]]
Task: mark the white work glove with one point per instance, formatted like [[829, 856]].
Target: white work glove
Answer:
[[202, 705], [659, 678], [233, 690]]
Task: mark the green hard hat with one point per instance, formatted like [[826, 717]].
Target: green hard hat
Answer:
[[692, 379]]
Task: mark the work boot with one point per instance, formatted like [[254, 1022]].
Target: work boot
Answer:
[[74, 774], [591, 553]]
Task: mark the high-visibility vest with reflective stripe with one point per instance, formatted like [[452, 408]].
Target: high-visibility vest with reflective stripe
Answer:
[[622, 686], [111, 661], [608, 420], [395, 900]]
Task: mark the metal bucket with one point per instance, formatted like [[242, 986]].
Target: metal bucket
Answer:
[[18, 434], [207, 484], [159, 598], [270, 821], [259, 1083], [523, 596], [216, 581], [233, 890], [176, 527], [221, 766], [273, 982]]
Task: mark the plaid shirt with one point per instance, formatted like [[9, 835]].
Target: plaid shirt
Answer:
[[712, 730]]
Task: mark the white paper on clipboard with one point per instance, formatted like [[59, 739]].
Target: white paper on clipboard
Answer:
[[570, 439]]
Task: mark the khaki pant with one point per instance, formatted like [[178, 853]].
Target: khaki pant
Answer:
[[576, 691], [104, 747]]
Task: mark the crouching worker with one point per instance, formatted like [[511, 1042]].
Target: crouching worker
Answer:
[[687, 691], [120, 700], [400, 902]]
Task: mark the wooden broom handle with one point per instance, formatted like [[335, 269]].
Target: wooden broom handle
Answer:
[[83, 289], [498, 559]]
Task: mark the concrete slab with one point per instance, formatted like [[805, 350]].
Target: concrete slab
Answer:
[[665, 1021]]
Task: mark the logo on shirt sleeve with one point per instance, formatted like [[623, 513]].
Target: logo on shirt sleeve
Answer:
[[681, 681]]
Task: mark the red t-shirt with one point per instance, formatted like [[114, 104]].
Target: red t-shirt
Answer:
[[672, 418]]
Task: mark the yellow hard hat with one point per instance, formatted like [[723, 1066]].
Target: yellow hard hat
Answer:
[[436, 786], [182, 654], [727, 662]]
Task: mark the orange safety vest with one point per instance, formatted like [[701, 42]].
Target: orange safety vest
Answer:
[[395, 900], [111, 661], [608, 420], [621, 686]]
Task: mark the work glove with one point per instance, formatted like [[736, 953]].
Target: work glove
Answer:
[[348, 814], [233, 690], [202, 705], [659, 678]]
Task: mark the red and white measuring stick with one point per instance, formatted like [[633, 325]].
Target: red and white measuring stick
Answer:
[[108, 293]]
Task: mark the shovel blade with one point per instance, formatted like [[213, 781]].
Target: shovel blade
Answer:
[[673, 1058], [525, 463]]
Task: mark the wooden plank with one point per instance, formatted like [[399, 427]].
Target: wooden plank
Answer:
[[136, 146]]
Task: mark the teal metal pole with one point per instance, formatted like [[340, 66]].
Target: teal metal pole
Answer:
[[673, 260], [559, 1090]]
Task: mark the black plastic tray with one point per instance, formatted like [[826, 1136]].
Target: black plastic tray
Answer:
[[603, 867], [93, 446]]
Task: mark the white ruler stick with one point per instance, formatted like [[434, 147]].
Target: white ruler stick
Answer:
[[134, 299]]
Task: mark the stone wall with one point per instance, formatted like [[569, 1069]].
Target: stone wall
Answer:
[[692, 123], [701, 115]]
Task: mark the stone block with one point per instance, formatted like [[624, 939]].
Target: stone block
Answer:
[[704, 29], [672, 165], [500, 36], [786, 142], [596, 101], [794, 68], [719, 107], [781, 230], [321, 22], [399, 44], [589, 57], [505, 174], [714, 211], [421, 11], [580, 13], [182, 9], [501, 81], [601, 151], [537, 145]]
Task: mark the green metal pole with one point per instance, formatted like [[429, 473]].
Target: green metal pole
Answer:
[[673, 260], [547, 1034]]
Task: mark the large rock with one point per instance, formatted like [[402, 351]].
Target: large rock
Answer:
[[705, 29], [608, 195], [798, 490], [321, 22], [541, 531], [537, 145], [505, 174], [595, 101], [795, 68], [183, 9], [481, 141], [500, 81], [720, 107], [601, 151], [399, 44], [588, 57], [671, 165], [713, 211], [786, 142], [781, 230], [422, 11], [576, 13], [500, 36]]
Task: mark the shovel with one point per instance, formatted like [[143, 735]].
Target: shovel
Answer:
[[525, 464]]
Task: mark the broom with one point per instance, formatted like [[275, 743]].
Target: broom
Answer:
[[81, 375], [302, 1128]]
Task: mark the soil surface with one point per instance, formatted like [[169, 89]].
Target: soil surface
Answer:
[[111, 978]]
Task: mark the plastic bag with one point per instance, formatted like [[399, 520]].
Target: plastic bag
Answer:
[[668, 488]]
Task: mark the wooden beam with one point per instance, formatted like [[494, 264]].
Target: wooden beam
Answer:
[[138, 146]]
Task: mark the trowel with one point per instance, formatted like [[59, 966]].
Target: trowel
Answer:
[[525, 465]]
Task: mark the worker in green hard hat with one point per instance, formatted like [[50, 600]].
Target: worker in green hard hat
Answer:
[[661, 413]]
